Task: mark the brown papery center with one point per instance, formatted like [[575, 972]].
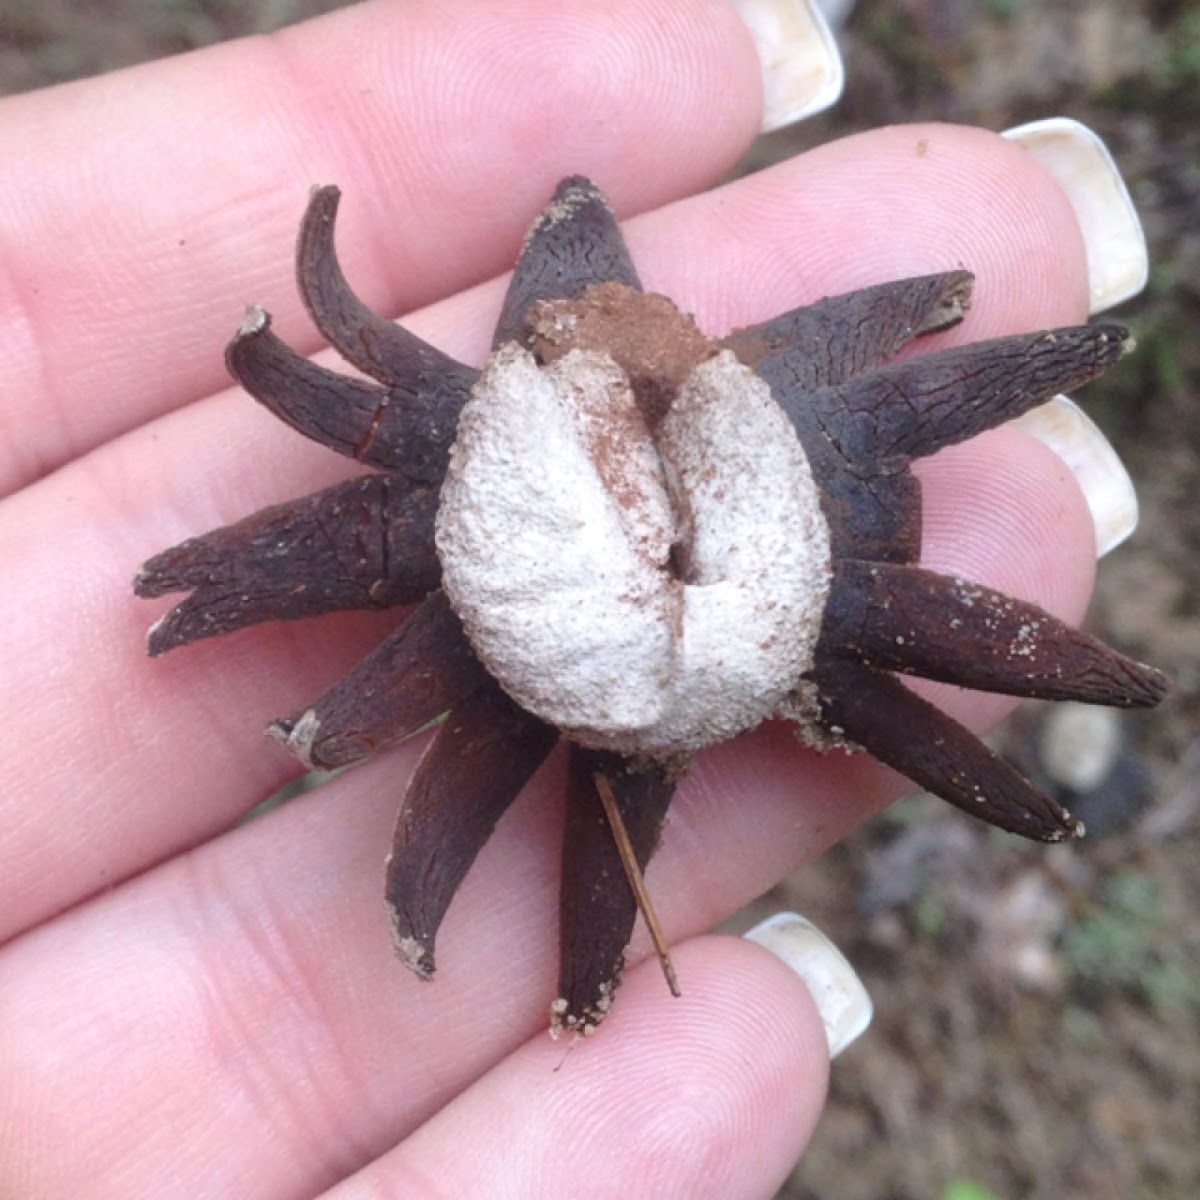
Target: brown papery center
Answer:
[[655, 344]]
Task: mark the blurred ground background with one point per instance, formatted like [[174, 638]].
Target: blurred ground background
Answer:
[[1037, 1030]]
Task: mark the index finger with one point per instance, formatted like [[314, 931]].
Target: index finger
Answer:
[[140, 211]]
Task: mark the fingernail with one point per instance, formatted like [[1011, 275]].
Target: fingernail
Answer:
[[1076, 439], [801, 65], [840, 997], [835, 12], [1118, 265]]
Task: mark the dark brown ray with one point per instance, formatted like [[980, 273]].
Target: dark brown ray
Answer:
[[876, 518], [574, 243], [597, 909], [414, 676], [380, 348], [358, 544], [910, 735], [838, 337], [477, 763], [860, 436], [388, 428], [905, 618], [884, 419]]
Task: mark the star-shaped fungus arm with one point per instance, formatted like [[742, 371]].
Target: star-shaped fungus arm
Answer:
[[863, 422], [597, 906]]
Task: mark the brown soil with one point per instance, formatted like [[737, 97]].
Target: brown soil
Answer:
[[1037, 1012]]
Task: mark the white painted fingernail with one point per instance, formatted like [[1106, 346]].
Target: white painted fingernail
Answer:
[[836, 11], [840, 997], [1063, 426], [801, 65], [1118, 265]]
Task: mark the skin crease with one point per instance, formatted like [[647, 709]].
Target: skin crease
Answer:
[[213, 1005]]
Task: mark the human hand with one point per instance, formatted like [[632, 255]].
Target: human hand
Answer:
[[191, 1007]]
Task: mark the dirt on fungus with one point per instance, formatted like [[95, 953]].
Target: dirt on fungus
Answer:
[[1037, 1013], [654, 343]]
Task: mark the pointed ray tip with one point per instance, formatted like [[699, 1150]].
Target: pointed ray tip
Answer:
[[143, 580], [329, 192], [1141, 686], [1052, 823], [321, 210], [558, 1012], [577, 186], [565, 1023], [410, 949], [955, 301], [1156, 685], [297, 736], [572, 193], [1073, 829], [158, 636], [257, 320], [1063, 826], [415, 955], [171, 632], [1120, 336], [949, 310], [584, 1023]]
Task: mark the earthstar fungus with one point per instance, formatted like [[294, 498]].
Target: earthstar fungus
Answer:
[[644, 540]]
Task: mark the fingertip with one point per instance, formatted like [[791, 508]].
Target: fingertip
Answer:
[[839, 994], [741, 1015], [714, 1093], [1005, 510], [901, 201], [719, 1088], [1064, 427]]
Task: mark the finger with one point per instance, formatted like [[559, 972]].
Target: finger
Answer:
[[885, 204], [141, 211], [256, 976], [716, 1096], [179, 740], [246, 1000]]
